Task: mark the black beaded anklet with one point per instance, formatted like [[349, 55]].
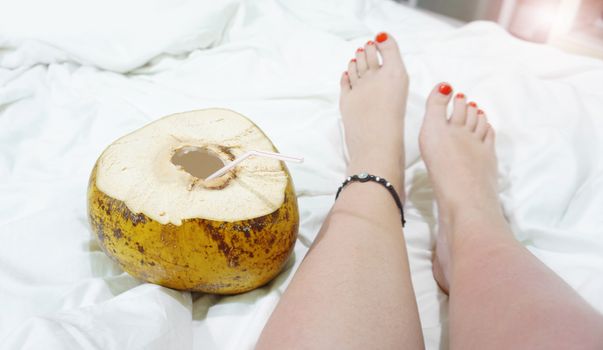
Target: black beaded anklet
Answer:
[[364, 177]]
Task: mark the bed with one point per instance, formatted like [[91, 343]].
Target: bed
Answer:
[[75, 76]]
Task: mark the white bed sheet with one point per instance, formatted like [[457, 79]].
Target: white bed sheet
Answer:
[[64, 97]]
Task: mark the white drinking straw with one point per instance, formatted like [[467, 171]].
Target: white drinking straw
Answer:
[[248, 154]]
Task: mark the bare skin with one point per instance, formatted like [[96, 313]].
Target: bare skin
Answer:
[[353, 289], [501, 296]]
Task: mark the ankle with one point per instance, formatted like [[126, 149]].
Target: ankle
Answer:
[[478, 229], [391, 170], [470, 209]]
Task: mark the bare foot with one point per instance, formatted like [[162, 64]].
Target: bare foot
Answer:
[[461, 161], [372, 104]]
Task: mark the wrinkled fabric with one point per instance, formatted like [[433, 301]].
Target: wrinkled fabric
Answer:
[[111, 34], [64, 98]]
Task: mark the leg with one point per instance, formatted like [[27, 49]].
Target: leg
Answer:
[[501, 296], [353, 289]]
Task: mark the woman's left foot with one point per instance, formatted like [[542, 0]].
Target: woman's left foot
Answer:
[[372, 104]]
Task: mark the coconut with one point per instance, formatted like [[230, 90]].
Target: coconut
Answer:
[[156, 216]]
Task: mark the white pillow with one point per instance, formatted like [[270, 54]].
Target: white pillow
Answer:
[[110, 34]]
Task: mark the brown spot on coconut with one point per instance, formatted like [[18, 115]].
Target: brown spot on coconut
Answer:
[[149, 187]]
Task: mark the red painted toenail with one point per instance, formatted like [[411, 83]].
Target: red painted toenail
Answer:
[[370, 42], [381, 37], [353, 60], [345, 73], [460, 95], [480, 112], [472, 104], [445, 89], [360, 49]]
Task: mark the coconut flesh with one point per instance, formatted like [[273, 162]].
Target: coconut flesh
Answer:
[[155, 214]]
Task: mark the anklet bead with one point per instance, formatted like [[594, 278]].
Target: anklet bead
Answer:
[[366, 177]]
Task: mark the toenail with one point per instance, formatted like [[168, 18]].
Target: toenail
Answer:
[[346, 73], [370, 42], [381, 37], [460, 95], [480, 112], [353, 60], [472, 104], [445, 89], [360, 49]]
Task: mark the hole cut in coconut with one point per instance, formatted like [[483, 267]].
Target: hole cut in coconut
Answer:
[[199, 162]]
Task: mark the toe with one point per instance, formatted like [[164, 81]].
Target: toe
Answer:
[[438, 101], [372, 59], [459, 112], [361, 63], [352, 72], [390, 53], [482, 125], [345, 82], [490, 136], [471, 119]]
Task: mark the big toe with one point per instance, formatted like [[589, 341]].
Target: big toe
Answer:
[[437, 102], [389, 50]]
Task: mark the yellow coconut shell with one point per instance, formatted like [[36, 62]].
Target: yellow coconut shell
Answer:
[[199, 254]]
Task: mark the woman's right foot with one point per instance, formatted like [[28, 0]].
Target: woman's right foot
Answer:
[[460, 158]]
